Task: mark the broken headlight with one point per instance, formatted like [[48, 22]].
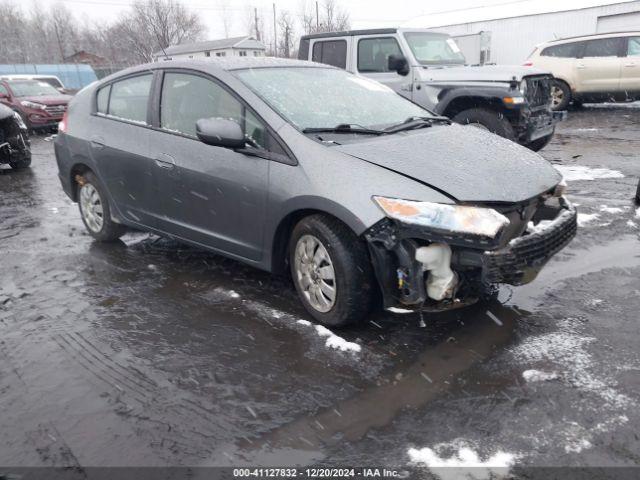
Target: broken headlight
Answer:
[[484, 222]]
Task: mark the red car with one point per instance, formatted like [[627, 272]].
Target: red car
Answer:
[[40, 105]]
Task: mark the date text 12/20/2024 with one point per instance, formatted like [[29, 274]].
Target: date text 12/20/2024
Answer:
[[318, 473]]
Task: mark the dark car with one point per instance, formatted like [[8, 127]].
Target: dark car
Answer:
[[298, 166], [40, 105], [14, 139]]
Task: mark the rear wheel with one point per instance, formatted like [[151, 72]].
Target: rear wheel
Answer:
[[488, 120], [95, 211], [331, 271], [560, 95]]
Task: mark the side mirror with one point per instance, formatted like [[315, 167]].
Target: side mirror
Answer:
[[399, 64], [220, 132]]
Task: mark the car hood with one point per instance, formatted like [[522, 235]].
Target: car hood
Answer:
[[463, 162], [49, 99], [484, 73]]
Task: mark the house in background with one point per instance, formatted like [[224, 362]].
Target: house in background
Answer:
[[246, 46]]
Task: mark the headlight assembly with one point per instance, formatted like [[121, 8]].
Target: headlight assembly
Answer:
[[28, 104], [19, 121], [462, 219]]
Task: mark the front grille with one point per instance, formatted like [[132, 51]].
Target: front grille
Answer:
[[55, 110], [538, 92], [522, 259]]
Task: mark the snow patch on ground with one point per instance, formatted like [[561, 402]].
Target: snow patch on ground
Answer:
[[334, 341], [606, 209], [585, 218], [569, 350], [638, 212], [399, 310], [459, 459], [572, 173], [538, 376], [632, 224]]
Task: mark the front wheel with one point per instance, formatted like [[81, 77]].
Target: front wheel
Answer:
[[331, 271], [486, 119], [560, 95], [95, 210]]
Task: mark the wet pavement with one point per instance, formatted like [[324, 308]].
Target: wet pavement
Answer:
[[147, 353]]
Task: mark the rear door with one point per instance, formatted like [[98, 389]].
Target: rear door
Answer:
[[213, 196], [119, 146], [372, 60], [630, 77], [599, 66]]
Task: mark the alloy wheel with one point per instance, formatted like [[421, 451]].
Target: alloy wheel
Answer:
[[557, 96], [91, 207], [314, 273]]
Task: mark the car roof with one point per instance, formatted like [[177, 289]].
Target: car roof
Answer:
[[592, 36], [370, 31], [217, 65]]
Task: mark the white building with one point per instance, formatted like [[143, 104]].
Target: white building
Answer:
[[512, 30], [227, 47]]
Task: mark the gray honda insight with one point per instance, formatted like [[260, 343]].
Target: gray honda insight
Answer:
[[291, 166]]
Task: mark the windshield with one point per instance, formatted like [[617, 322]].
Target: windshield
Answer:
[[31, 88], [434, 48], [323, 97]]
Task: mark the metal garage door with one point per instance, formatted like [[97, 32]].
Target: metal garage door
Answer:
[[619, 23]]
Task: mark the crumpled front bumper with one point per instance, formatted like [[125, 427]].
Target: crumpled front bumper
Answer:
[[522, 259]]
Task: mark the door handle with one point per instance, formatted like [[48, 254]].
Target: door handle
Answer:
[[581, 66], [165, 161], [97, 143], [632, 64]]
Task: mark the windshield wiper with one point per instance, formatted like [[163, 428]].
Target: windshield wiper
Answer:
[[344, 128], [412, 123]]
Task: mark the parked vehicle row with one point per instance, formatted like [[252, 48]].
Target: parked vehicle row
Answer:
[[429, 69], [593, 68], [295, 166], [40, 105], [14, 140]]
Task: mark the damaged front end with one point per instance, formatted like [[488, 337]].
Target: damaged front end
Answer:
[[437, 257], [15, 148]]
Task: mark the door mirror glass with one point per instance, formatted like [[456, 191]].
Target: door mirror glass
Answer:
[[220, 132], [398, 63]]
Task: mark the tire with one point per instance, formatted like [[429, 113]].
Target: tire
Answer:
[[638, 193], [487, 119], [24, 160], [560, 95], [97, 221], [353, 280], [540, 143]]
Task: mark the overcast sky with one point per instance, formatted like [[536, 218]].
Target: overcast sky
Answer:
[[363, 13]]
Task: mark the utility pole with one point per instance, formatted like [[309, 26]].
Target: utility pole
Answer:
[[317, 18], [255, 12], [275, 43]]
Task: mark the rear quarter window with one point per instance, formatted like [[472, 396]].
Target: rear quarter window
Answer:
[[566, 50], [102, 100], [331, 52]]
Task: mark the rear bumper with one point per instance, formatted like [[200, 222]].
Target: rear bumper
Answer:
[[523, 258]]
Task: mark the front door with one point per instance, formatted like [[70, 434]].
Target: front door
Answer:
[[598, 71], [213, 196], [373, 61]]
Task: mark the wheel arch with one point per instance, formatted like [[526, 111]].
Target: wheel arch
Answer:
[[78, 168], [281, 233], [462, 103]]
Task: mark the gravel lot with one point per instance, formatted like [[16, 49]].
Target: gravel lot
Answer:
[[147, 353]]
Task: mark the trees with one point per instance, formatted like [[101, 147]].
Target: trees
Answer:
[[324, 16]]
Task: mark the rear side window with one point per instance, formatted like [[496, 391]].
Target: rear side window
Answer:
[[130, 97], [603, 47], [102, 101], [331, 52], [567, 50], [633, 48], [373, 53]]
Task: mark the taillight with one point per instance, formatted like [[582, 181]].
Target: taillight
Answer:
[[62, 126], [528, 63]]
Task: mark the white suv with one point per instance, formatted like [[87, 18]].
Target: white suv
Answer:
[[595, 68]]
